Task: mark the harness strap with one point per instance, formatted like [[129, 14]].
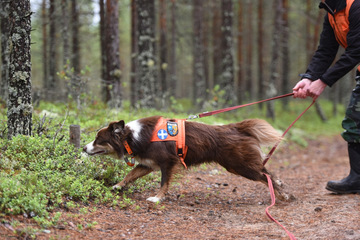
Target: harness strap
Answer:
[[180, 144]]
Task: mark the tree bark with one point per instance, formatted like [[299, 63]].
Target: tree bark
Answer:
[[199, 84], [173, 78], [75, 84], [240, 78], [4, 29], [19, 104], [45, 19], [274, 73], [147, 54], [113, 53], [285, 52], [261, 82], [52, 90], [163, 48], [249, 53], [134, 52], [227, 61]]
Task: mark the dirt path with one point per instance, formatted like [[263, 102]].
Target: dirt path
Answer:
[[209, 203]]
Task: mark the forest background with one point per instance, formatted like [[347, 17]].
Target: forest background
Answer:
[[154, 52]]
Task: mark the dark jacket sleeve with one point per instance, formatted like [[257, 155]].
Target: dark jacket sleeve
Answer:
[[351, 57], [325, 54]]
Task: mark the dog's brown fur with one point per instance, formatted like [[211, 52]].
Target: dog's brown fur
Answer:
[[235, 146]]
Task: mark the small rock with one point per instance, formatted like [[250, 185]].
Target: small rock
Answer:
[[318, 209]]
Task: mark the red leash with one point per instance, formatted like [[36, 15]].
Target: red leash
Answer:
[[271, 188], [205, 114]]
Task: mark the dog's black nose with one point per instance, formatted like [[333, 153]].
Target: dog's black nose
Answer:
[[84, 149]]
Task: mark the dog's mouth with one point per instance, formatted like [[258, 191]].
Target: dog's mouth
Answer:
[[97, 153]]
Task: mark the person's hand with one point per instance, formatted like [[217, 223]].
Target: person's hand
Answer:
[[307, 88], [316, 88], [300, 89]]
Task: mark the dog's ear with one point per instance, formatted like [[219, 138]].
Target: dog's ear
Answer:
[[118, 127]]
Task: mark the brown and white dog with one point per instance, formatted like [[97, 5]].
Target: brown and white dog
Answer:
[[235, 146]]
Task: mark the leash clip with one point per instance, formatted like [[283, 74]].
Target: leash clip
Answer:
[[191, 117]]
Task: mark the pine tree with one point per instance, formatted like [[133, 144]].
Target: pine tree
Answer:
[[19, 103]]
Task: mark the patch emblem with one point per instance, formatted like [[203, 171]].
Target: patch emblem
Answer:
[[162, 134], [172, 128]]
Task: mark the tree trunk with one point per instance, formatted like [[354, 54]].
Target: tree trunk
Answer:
[[45, 19], [147, 54], [113, 53], [4, 29], [19, 104], [274, 74], [227, 75], [163, 48], [199, 84], [75, 61], [134, 52], [249, 79], [52, 90], [285, 52], [261, 83], [65, 33], [173, 79], [240, 80], [216, 42], [104, 89]]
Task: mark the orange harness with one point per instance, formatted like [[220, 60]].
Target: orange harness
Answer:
[[166, 130], [171, 130]]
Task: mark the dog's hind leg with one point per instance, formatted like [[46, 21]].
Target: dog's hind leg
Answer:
[[278, 187], [137, 172]]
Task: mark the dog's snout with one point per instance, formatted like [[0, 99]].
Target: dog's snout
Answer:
[[84, 149]]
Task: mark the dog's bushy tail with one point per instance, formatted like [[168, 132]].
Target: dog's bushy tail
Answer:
[[261, 130]]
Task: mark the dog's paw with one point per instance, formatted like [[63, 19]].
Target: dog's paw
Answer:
[[154, 199], [287, 197], [117, 188]]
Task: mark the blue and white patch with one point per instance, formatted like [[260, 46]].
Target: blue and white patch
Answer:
[[172, 128], [162, 134]]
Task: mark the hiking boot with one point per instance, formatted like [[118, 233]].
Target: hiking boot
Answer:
[[350, 184]]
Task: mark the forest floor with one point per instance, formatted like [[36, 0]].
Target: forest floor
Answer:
[[209, 203]]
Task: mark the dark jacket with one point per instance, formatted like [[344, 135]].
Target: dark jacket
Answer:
[[324, 56]]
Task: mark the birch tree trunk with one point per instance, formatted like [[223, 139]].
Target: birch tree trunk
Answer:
[[19, 103]]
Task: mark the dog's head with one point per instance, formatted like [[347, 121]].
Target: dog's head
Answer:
[[108, 140]]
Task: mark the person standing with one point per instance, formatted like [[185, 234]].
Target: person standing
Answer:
[[341, 28]]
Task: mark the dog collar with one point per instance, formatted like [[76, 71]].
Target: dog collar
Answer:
[[131, 163]]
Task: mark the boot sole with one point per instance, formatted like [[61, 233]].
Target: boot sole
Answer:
[[342, 192]]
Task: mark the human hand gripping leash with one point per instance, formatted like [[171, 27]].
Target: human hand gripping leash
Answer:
[[271, 188]]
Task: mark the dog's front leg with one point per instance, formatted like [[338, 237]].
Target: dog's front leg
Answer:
[[137, 172], [165, 181]]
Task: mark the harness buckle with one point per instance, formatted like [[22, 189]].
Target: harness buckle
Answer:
[[191, 117], [130, 163]]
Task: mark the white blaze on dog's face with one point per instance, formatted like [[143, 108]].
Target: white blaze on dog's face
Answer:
[[101, 144]]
